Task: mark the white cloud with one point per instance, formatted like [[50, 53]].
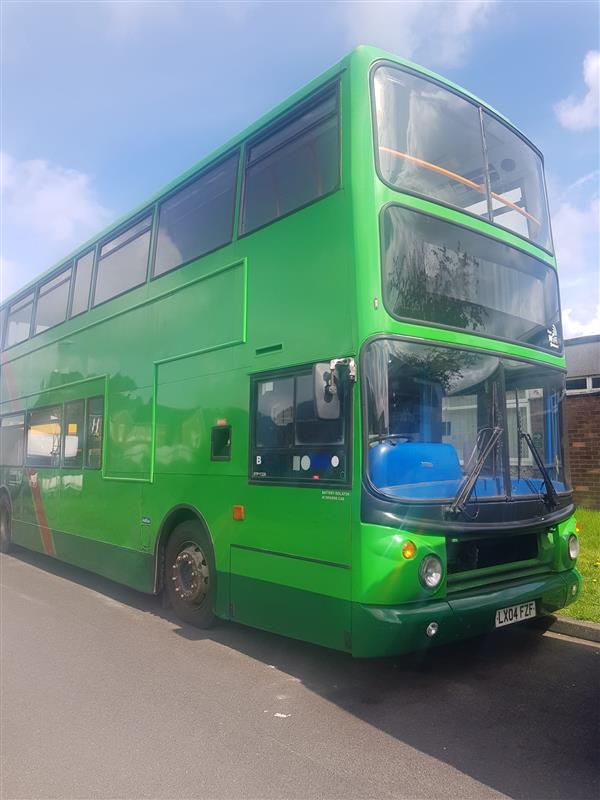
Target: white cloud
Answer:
[[575, 327], [47, 210], [10, 277], [577, 240], [576, 231], [49, 200], [579, 115], [439, 33]]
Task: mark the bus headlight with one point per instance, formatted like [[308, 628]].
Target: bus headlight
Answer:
[[573, 546], [430, 572]]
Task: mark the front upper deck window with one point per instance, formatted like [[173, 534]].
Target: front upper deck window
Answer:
[[516, 183], [431, 141], [437, 272]]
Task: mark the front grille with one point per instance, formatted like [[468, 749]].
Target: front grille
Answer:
[[475, 554]]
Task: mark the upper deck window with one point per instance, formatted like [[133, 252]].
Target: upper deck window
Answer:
[[83, 279], [52, 301], [431, 141], [198, 218], [295, 162], [438, 272], [18, 323], [123, 261]]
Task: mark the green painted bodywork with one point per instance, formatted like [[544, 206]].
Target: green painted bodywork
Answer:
[[175, 354]]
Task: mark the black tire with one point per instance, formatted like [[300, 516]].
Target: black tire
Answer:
[[190, 577], [5, 540]]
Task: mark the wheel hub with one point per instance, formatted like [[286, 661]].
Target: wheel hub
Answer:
[[189, 573]]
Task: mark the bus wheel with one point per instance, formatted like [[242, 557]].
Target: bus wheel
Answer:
[[190, 575], [4, 527]]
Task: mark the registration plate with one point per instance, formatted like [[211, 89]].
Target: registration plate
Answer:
[[506, 616]]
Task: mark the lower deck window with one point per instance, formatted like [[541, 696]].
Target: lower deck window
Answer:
[[11, 440], [43, 437]]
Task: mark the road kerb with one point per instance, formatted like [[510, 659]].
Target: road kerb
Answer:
[[577, 628]]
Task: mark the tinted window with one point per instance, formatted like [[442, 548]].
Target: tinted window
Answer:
[[275, 413], [123, 261], [291, 445], [443, 273], [198, 219], [83, 279], [73, 434], [310, 429], [93, 433], [52, 302], [517, 183], [43, 437], [19, 321], [12, 429], [429, 140], [293, 164]]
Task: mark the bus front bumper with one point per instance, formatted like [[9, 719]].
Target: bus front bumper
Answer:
[[392, 630]]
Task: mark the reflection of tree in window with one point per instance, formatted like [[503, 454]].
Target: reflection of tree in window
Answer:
[[434, 283]]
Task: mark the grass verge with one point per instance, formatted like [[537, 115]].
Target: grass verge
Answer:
[[588, 563]]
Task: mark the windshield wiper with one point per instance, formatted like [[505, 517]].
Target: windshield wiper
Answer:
[[551, 496], [466, 489]]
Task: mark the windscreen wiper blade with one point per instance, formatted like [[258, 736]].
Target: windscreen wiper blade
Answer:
[[466, 489], [551, 495]]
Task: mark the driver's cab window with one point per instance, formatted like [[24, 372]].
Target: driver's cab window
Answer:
[[293, 439]]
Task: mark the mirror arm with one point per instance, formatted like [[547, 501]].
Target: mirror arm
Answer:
[[334, 364]]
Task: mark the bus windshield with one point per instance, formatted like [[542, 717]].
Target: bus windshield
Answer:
[[432, 411], [434, 142]]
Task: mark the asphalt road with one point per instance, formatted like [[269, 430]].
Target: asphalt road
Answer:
[[106, 695]]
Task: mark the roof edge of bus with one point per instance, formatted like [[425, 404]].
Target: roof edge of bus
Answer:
[[376, 53], [365, 53]]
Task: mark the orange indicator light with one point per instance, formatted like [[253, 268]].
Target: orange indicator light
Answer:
[[238, 513], [409, 549], [577, 527]]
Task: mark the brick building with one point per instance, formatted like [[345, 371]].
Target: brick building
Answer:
[[583, 417]]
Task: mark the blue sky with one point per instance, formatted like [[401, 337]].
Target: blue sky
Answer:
[[104, 102]]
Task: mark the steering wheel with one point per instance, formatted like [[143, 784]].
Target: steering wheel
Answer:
[[387, 436]]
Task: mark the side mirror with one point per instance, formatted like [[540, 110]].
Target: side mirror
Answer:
[[327, 401]]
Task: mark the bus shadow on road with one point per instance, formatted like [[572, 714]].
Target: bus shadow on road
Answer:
[[516, 710]]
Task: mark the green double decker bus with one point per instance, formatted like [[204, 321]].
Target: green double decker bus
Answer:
[[316, 385]]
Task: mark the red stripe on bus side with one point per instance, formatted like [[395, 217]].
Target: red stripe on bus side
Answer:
[[45, 532]]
